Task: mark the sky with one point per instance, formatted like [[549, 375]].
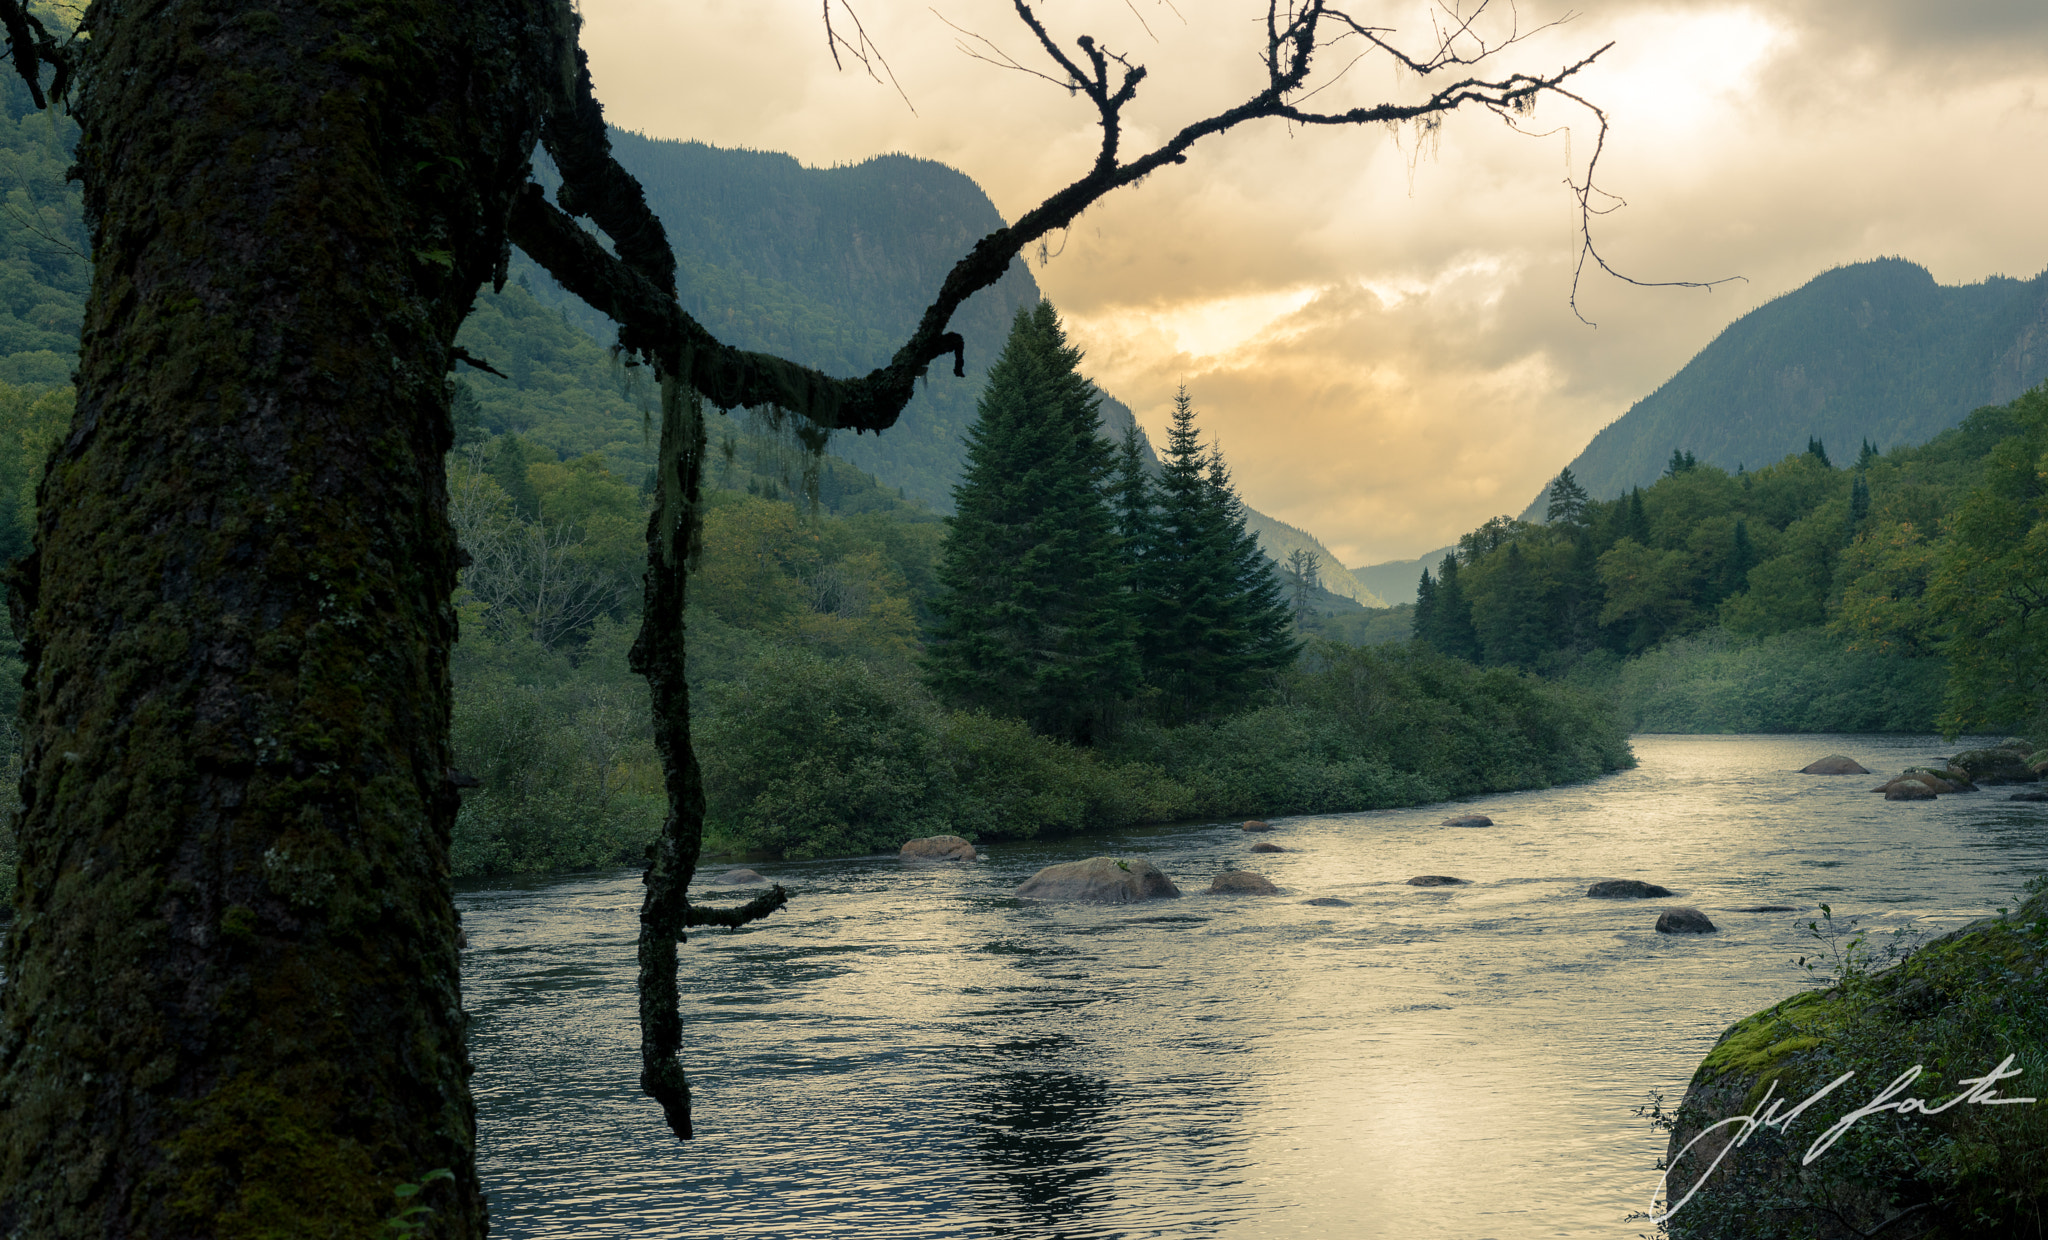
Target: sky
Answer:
[[1375, 325]]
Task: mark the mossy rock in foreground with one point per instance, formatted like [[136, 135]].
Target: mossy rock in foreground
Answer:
[[1957, 1007]]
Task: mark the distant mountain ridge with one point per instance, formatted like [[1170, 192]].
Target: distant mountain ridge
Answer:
[[1873, 350]]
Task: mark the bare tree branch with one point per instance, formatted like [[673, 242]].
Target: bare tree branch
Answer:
[[862, 49]]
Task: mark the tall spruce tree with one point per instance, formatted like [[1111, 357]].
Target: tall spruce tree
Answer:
[[1035, 618], [1212, 623]]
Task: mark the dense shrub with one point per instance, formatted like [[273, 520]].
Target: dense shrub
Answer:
[[1801, 681], [808, 757]]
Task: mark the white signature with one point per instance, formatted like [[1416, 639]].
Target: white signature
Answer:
[[1979, 1093]]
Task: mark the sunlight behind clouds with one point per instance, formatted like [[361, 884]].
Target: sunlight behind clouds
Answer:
[[1381, 332]]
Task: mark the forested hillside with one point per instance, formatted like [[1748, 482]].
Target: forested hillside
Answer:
[[1893, 592], [1873, 350]]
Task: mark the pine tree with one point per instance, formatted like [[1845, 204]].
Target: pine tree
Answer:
[[1034, 618], [1741, 559], [1567, 501], [1636, 522], [1859, 502], [1818, 451], [1212, 623], [1452, 632], [1425, 608]]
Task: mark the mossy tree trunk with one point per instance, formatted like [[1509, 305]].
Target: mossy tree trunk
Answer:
[[232, 1003]]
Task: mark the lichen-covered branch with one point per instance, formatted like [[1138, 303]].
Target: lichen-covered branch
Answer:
[[733, 918]]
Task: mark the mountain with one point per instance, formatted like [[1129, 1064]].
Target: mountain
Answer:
[[828, 266], [1396, 580], [1279, 539], [1873, 350]]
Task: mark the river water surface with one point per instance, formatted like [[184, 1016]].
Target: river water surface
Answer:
[[909, 1051]]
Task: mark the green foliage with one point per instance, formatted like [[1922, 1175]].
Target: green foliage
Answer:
[[806, 756], [1034, 614], [1990, 592], [1802, 681]]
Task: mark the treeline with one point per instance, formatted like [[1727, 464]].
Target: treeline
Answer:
[[1912, 578]]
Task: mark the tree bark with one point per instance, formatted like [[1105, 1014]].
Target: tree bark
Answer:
[[232, 1003]]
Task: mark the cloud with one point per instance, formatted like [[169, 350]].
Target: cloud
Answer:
[[1381, 330]]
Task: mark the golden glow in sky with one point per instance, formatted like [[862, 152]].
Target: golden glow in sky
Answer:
[[1378, 329]]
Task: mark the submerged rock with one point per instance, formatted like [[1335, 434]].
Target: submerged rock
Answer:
[[738, 878], [1469, 820], [1263, 846], [1835, 764], [1684, 920], [1626, 889], [1769, 908], [2028, 796], [1099, 880], [1255, 825], [1435, 880], [937, 848], [1328, 902], [1239, 883]]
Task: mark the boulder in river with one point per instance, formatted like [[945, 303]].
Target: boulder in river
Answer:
[[1099, 880], [1436, 880], [1468, 820], [1835, 764], [1263, 846], [1626, 889], [1683, 920], [1239, 883], [1255, 825], [1994, 766], [1769, 908], [937, 848], [738, 878], [1908, 790], [2028, 796], [1328, 902]]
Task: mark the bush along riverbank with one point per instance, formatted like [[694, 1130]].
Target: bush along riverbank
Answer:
[[1963, 1009], [808, 757]]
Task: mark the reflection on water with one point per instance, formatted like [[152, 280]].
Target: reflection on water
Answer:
[[907, 1051]]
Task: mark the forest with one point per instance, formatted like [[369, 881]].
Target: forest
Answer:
[[1893, 593]]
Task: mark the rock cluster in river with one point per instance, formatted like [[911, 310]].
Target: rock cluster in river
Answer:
[[1099, 880], [937, 848]]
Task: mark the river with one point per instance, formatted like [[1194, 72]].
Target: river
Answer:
[[909, 1051]]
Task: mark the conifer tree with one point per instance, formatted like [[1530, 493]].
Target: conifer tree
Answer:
[[1211, 620], [1567, 501], [1451, 632], [1425, 608], [1034, 618]]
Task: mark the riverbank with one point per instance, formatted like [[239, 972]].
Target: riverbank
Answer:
[[807, 757]]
